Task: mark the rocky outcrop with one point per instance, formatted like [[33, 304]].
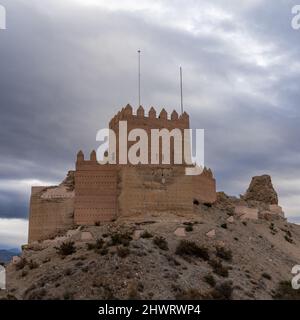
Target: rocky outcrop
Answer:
[[69, 181], [262, 190], [259, 202]]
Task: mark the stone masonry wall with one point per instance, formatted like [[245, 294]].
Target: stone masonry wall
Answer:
[[51, 211], [162, 189], [95, 192]]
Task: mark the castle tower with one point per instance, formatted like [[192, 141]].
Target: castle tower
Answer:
[[147, 123]]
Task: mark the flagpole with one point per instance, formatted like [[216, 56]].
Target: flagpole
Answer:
[[181, 96], [139, 76]]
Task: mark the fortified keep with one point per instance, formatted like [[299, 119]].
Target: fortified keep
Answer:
[[96, 193]]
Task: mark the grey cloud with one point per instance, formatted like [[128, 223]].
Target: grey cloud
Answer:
[[65, 72]]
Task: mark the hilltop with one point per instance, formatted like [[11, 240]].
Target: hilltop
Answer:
[[215, 253]]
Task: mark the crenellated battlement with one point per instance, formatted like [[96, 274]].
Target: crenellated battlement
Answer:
[[155, 117]]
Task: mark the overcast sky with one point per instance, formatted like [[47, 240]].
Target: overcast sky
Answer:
[[66, 67]]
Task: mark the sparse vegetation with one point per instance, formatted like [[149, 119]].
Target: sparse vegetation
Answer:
[[190, 248], [284, 291], [132, 291], [223, 291], [68, 272], [272, 228], [21, 264], [218, 268], [68, 295], [190, 294], [170, 263], [103, 251], [96, 246], [66, 248], [189, 228], [207, 204], [266, 276], [196, 202], [146, 235], [288, 239], [32, 264], [172, 260], [288, 235], [123, 251], [210, 279], [223, 253], [161, 243], [224, 225], [119, 238], [24, 273], [37, 294]]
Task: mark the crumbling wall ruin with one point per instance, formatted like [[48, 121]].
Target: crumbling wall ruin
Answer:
[[51, 209]]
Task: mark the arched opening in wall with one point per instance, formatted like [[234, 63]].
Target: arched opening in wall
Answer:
[[196, 202]]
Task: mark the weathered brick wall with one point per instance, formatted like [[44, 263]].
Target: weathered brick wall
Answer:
[[95, 192], [51, 211], [162, 189]]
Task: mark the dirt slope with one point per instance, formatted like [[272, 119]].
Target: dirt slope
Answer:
[[243, 260]]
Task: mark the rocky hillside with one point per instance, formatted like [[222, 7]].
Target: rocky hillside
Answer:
[[238, 248]]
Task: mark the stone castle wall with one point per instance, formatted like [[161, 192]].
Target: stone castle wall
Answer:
[[162, 189], [51, 211], [101, 193], [95, 192]]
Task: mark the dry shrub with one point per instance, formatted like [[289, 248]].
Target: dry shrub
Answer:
[[123, 252], [190, 248], [118, 238], [146, 235], [223, 253], [161, 243], [66, 248], [190, 294], [285, 291], [218, 268]]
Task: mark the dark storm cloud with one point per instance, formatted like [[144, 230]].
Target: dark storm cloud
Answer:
[[67, 68]]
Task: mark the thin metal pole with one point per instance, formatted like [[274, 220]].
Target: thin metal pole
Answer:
[[139, 76], [181, 96]]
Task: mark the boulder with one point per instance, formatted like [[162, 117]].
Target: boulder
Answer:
[[137, 234], [261, 189], [86, 236], [211, 233], [276, 210], [244, 212], [230, 219], [180, 232], [16, 259], [73, 232], [269, 215], [220, 244]]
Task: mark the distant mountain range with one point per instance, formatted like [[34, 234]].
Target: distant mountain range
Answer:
[[6, 255]]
